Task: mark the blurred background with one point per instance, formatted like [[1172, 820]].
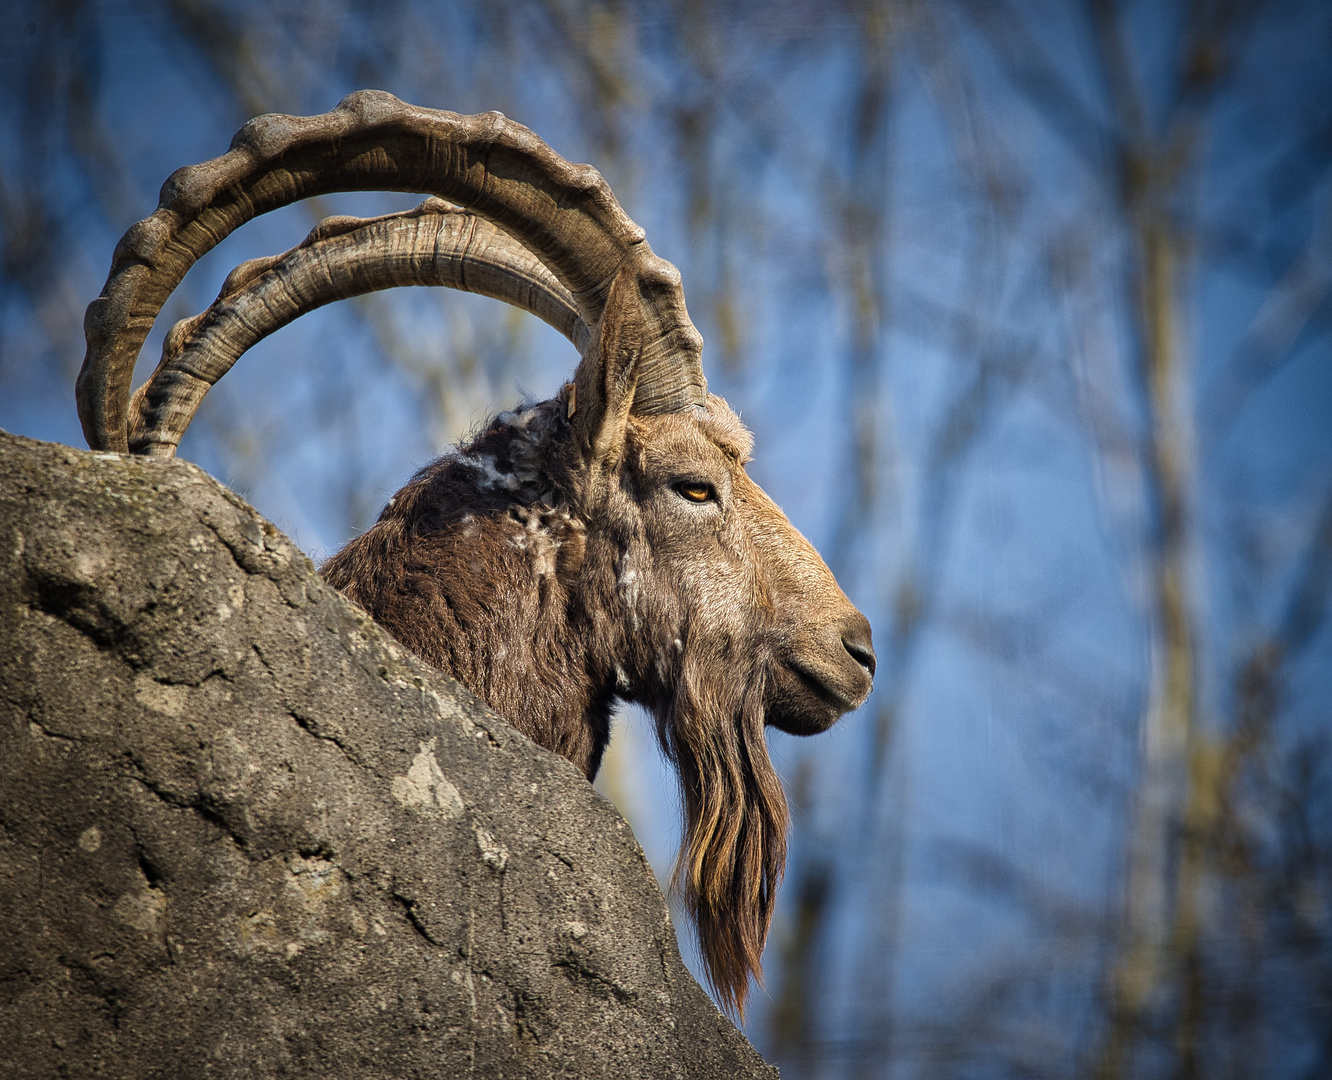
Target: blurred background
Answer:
[[1029, 304]]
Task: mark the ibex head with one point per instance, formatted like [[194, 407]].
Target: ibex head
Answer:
[[605, 544]]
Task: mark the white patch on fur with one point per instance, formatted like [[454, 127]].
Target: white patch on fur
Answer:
[[537, 538], [543, 560], [526, 450], [517, 418], [629, 590], [491, 477], [622, 683]]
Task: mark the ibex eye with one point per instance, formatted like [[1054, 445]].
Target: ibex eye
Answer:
[[695, 490]]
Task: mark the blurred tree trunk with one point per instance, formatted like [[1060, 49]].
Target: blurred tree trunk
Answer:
[[1156, 179]]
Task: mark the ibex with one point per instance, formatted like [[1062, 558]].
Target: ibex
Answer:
[[605, 544]]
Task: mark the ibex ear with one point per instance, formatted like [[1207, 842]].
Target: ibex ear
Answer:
[[647, 359], [602, 395]]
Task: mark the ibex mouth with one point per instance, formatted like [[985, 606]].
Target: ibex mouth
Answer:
[[829, 676], [806, 703], [833, 695], [840, 697]]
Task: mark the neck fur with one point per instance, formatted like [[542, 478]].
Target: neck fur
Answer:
[[476, 566]]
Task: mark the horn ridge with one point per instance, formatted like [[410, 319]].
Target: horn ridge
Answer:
[[435, 243], [565, 213]]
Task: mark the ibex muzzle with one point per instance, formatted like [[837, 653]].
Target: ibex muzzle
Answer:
[[605, 544]]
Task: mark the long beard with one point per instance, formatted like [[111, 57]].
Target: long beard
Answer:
[[733, 852]]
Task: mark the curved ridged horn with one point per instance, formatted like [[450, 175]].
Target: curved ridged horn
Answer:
[[434, 244], [565, 213]]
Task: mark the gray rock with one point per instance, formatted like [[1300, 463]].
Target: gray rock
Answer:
[[245, 834]]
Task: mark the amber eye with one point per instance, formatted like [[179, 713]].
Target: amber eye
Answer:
[[695, 490]]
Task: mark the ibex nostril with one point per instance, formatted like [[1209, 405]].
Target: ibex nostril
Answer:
[[861, 654], [857, 640]]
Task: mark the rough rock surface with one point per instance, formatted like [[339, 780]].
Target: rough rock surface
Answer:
[[244, 834]]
